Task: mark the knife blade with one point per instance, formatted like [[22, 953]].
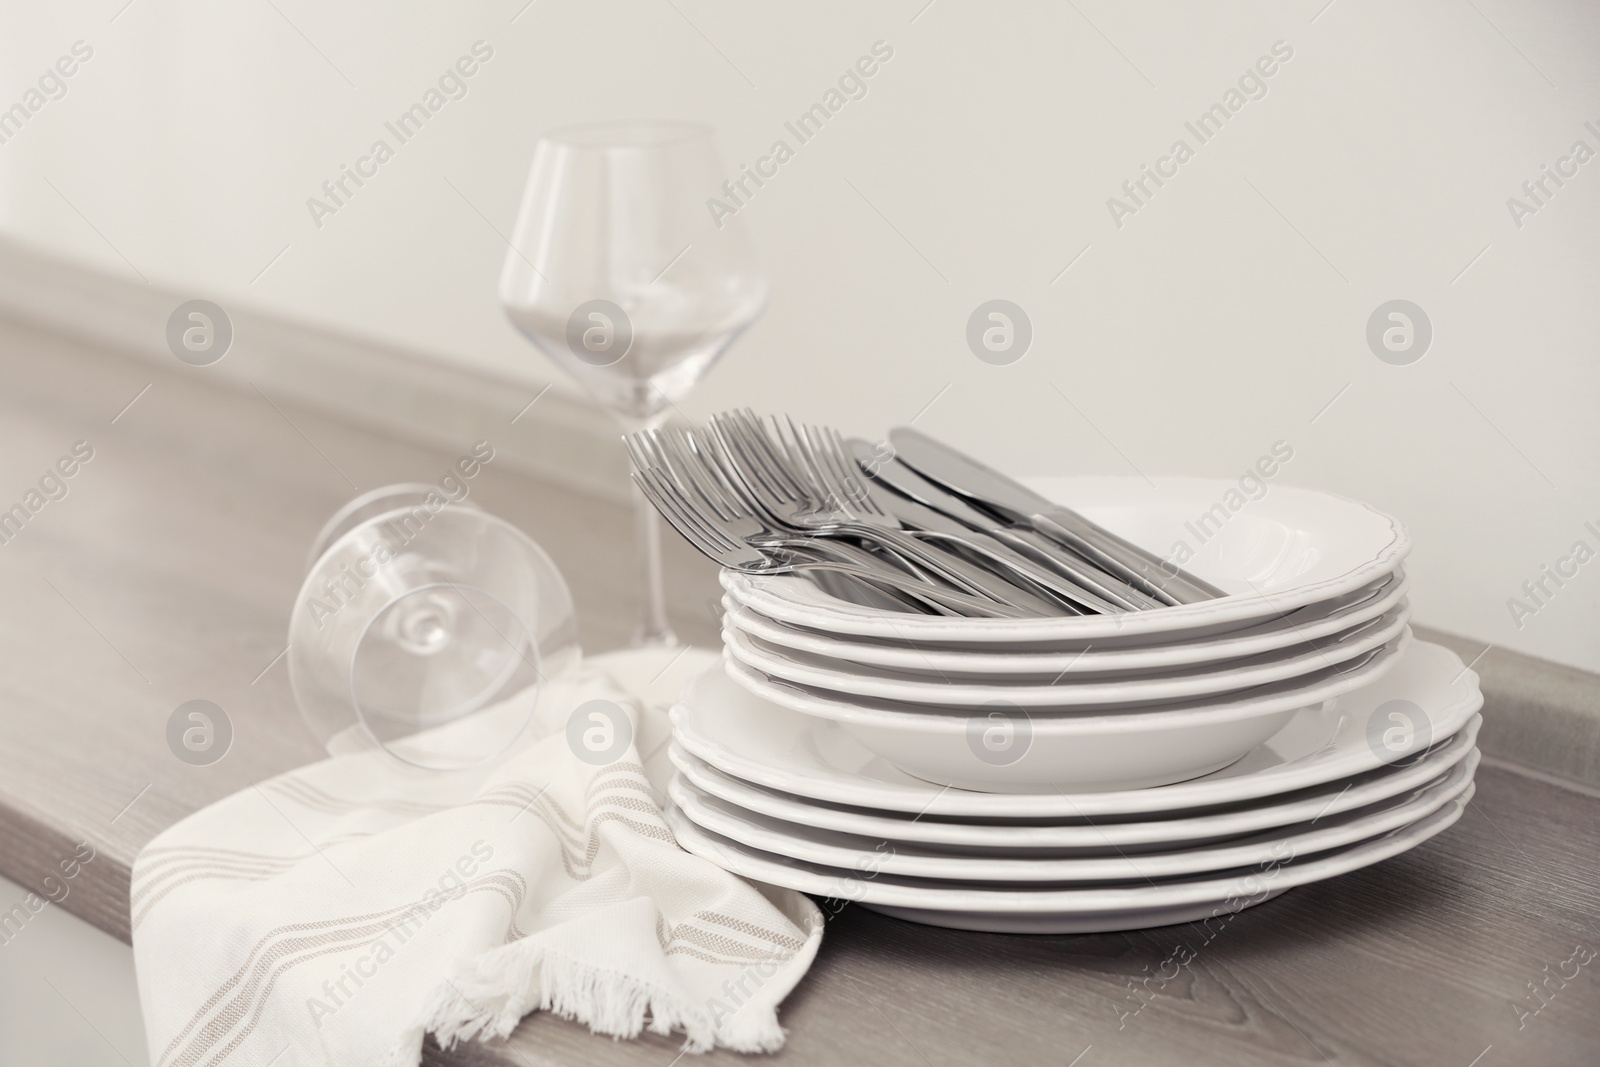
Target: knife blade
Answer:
[[982, 484], [915, 500], [998, 582]]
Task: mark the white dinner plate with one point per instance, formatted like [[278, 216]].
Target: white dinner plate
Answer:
[[999, 747], [1149, 834], [769, 745], [1062, 694], [851, 852], [1290, 548], [1311, 623], [1058, 911]]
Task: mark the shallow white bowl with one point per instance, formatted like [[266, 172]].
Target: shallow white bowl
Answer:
[[767, 744], [1063, 694], [1290, 548], [1002, 748], [1156, 832], [1313, 622]]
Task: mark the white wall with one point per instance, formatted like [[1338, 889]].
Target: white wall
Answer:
[[1222, 317]]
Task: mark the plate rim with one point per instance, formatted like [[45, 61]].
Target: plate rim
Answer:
[[1460, 743], [891, 796], [1084, 901], [842, 616], [1071, 724], [737, 644], [1385, 597], [1423, 800]]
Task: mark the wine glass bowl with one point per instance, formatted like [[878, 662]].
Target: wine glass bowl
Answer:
[[373, 502], [427, 630], [620, 274]]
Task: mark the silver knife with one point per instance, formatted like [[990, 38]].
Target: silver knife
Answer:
[[999, 582], [928, 506], [969, 478]]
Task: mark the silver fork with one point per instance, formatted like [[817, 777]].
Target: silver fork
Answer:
[[779, 484], [837, 478], [716, 538], [690, 487], [932, 513], [834, 461], [699, 474]]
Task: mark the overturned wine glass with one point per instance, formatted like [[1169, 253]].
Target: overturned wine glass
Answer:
[[428, 628]]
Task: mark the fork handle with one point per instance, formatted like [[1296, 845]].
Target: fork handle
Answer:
[[834, 550], [1020, 569], [944, 601], [967, 577], [1057, 558], [1133, 564]]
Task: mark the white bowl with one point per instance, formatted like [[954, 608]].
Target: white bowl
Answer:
[[1002, 748], [1161, 832], [1290, 548], [771, 746], [1310, 623], [972, 690]]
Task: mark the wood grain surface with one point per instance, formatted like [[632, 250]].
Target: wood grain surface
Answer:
[[166, 574], [1414, 962]]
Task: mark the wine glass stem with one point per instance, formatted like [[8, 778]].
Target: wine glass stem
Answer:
[[653, 630]]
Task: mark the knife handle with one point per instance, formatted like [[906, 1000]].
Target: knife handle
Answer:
[[1124, 559], [1063, 594], [1048, 552], [967, 577]]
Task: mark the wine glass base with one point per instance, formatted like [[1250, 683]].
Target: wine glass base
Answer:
[[643, 638]]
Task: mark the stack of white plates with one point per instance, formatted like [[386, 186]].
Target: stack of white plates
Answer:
[[1090, 772]]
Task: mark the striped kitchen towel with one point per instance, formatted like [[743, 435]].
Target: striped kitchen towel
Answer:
[[339, 913]]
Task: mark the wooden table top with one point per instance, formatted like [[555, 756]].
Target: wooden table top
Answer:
[[166, 573]]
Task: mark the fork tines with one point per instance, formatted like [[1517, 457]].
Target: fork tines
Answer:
[[794, 462]]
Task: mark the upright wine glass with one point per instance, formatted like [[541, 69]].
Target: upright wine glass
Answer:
[[620, 273]]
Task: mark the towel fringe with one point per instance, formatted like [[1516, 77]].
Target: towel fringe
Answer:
[[491, 995]]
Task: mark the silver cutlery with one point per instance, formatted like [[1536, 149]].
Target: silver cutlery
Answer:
[[833, 475], [931, 528], [740, 542], [923, 503], [801, 490], [987, 487]]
